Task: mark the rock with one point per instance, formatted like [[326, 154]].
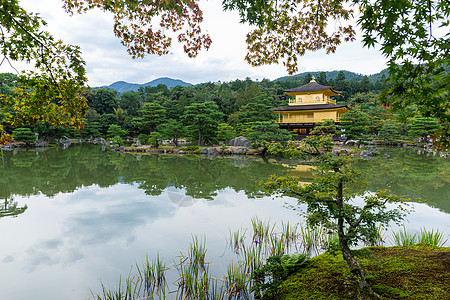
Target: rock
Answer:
[[39, 144], [240, 141], [209, 151], [386, 155], [344, 152], [354, 155], [240, 150], [335, 152], [370, 152], [351, 143]]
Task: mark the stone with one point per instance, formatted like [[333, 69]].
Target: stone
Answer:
[[351, 143], [370, 152], [386, 155], [240, 150], [39, 143], [240, 141], [209, 151], [344, 152]]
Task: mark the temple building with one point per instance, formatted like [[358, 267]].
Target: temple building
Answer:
[[312, 104]]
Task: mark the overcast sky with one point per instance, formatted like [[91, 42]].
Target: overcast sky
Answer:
[[107, 60]]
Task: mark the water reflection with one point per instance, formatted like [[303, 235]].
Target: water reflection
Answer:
[[54, 171], [86, 215], [406, 172]]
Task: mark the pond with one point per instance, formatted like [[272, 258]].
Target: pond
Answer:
[[75, 218]]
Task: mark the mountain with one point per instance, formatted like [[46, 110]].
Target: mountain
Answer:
[[122, 86], [333, 74]]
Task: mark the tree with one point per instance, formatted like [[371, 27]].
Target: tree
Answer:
[[51, 93], [390, 131], [413, 35], [329, 200], [152, 115], [172, 129], [130, 102], [286, 29], [103, 100], [262, 133], [201, 121], [355, 124], [420, 126], [225, 133], [24, 135]]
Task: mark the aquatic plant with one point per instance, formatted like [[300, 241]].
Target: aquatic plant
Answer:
[[432, 237], [404, 238]]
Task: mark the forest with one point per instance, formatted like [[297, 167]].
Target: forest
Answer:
[[212, 113]]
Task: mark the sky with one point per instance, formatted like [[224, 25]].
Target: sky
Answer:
[[107, 60]]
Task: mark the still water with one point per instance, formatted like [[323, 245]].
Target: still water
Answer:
[[71, 219]]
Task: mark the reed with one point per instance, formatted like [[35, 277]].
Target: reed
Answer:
[[252, 257], [236, 240], [237, 282], [197, 252], [432, 237], [404, 238], [277, 245], [120, 293], [311, 238], [216, 289], [153, 277], [261, 229], [289, 232]]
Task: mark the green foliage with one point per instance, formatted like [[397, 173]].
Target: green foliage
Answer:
[[315, 144], [276, 269], [262, 132], [329, 200], [172, 129], [189, 148], [420, 126], [390, 131], [155, 138], [291, 149], [355, 124], [151, 116], [201, 120], [116, 131], [327, 126], [225, 133], [24, 135]]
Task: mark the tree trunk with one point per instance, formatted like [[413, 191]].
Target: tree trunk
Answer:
[[199, 133], [365, 292]]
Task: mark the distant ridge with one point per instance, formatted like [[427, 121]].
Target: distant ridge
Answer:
[[333, 74], [122, 86]]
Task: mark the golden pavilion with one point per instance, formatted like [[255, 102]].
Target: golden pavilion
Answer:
[[312, 104]]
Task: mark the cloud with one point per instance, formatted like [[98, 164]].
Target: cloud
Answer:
[[107, 60]]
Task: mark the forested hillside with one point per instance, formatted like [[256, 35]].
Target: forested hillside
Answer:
[[216, 112]]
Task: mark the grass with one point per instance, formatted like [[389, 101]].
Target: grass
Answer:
[[407, 272], [431, 237], [390, 271]]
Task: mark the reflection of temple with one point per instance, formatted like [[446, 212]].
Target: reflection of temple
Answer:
[[312, 104], [303, 172]]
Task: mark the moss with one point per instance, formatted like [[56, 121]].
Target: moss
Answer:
[[418, 272]]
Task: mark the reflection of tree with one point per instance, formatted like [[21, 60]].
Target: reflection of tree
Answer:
[[411, 174], [54, 171]]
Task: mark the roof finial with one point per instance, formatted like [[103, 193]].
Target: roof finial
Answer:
[[313, 79]]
